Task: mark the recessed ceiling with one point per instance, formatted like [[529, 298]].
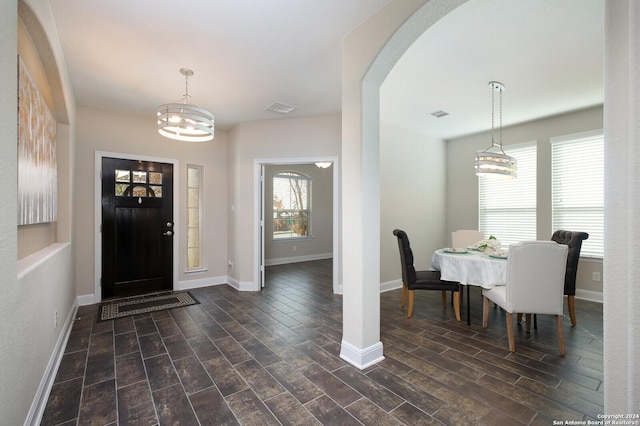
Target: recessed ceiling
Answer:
[[548, 54]]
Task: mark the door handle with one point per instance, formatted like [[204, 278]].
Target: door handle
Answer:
[[168, 233]]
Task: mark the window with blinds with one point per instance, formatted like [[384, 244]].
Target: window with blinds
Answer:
[[507, 207], [578, 187], [291, 205]]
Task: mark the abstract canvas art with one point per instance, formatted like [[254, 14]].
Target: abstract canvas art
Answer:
[[37, 164]]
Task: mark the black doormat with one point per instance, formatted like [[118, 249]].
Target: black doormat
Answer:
[[143, 304]]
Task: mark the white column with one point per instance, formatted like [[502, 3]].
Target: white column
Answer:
[[369, 53], [622, 207]]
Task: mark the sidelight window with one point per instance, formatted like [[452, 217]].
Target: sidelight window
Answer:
[[194, 216]]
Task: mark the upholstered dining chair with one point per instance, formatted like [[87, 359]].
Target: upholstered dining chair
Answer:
[[573, 240], [535, 285], [422, 280], [465, 237]]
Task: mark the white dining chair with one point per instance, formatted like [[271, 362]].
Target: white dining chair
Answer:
[[465, 237], [535, 285]]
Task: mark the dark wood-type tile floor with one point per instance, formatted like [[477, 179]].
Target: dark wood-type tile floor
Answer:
[[272, 357]]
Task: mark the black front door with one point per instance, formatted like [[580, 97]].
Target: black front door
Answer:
[[137, 227]]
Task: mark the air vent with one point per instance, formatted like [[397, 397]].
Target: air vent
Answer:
[[440, 113], [281, 108]]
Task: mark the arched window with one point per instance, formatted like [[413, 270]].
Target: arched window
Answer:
[[291, 205]]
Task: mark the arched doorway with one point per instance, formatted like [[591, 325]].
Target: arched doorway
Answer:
[[388, 34]]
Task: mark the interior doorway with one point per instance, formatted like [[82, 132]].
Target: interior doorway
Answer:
[[297, 248]]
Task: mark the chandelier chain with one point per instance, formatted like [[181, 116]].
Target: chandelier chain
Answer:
[[493, 114], [500, 117]]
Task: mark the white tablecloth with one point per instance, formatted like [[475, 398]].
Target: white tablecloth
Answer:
[[471, 268]]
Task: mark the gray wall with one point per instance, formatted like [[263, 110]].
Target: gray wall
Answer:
[[266, 142], [320, 243], [412, 197], [462, 187]]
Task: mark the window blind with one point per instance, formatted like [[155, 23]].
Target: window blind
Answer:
[[507, 207], [578, 187]]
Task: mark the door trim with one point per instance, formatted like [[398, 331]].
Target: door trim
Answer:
[[97, 291], [258, 203]]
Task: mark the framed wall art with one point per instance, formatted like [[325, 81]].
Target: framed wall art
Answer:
[[37, 164]]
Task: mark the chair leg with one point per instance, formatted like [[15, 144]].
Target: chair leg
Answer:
[[444, 299], [485, 312], [560, 335], [572, 309], [519, 318], [456, 304], [410, 311], [528, 321], [404, 294], [510, 336]]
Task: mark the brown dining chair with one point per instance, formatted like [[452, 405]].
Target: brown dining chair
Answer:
[[422, 280]]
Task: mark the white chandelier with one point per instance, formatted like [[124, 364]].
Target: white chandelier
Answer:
[[493, 161], [185, 120]]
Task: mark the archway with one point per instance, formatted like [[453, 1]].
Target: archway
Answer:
[[369, 53]]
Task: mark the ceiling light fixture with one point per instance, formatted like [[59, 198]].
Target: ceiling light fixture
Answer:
[[185, 120], [324, 164], [493, 161]]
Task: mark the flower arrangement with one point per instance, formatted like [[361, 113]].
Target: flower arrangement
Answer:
[[492, 244]]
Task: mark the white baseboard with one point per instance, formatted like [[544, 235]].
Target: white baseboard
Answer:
[[90, 299], [361, 358], [86, 299], [390, 285], [242, 285], [296, 259], [34, 417], [202, 282], [592, 296]]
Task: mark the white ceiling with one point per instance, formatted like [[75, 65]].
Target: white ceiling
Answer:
[[547, 53], [125, 55]]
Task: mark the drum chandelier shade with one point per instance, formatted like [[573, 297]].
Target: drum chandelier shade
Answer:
[[493, 161], [185, 120]]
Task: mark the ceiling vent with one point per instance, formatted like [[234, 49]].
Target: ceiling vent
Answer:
[[440, 113], [281, 108]]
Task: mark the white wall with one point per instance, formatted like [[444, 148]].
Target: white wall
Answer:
[[267, 140], [412, 197], [622, 208], [41, 284], [137, 136], [462, 183], [319, 244], [369, 53]]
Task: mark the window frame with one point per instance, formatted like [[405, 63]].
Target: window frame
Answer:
[[289, 174], [585, 172], [200, 225]]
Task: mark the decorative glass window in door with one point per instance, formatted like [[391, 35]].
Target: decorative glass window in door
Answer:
[[137, 183]]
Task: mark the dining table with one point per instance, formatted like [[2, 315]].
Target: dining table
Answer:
[[471, 268]]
